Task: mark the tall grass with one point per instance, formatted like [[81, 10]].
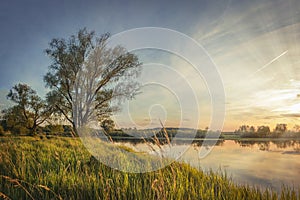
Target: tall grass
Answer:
[[61, 168]]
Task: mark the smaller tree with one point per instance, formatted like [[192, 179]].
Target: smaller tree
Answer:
[[14, 121], [108, 125], [252, 129], [280, 129], [263, 131], [297, 128], [30, 110], [243, 129]]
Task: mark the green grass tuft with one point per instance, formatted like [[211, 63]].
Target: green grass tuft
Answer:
[[62, 168]]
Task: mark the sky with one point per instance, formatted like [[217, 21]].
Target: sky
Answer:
[[254, 45]]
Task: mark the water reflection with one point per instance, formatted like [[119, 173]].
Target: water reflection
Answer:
[[267, 164], [196, 142], [275, 145]]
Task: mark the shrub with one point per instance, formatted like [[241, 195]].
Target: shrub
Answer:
[[53, 129], [20, 130]]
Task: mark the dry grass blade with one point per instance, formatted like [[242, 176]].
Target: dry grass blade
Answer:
[[5, 197], [17, 183], [48, 189], [165, 133], [147, 143], [44, 187], [156, 141]]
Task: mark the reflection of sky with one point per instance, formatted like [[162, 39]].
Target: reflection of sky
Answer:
[[253, 165], [254, 44]]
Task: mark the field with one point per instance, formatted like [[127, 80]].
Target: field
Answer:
[[61, 168]]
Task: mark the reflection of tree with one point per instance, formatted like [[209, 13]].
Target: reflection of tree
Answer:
[[199, 143], [246, 143], [297, 146], [283, 144], [265, 145], [262, 145]]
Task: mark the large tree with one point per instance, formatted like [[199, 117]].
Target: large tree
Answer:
[[86, 76], [29, 110]]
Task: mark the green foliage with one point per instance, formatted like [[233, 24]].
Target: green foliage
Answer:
[[108, 125], [62, 169], [279, 130], [201, 133], [54, 129], [68, 129], [15, 122], [86, 75], [29, 112], [20, 130], [13, 117], [263, 131]]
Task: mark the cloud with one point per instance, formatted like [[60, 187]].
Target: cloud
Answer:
[[272, 117], [4, 102], [293, 115]]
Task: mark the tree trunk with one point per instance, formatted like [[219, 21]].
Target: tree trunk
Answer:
[[33, 129], [74, 131]]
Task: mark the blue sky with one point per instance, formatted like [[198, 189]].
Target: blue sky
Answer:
[[27, 27], [255, 45]]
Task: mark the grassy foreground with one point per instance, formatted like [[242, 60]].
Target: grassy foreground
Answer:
[[61, 168]]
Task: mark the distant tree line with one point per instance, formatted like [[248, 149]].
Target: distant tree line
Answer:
[[264, 131]]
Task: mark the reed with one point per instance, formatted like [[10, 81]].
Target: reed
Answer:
[[62, 168]]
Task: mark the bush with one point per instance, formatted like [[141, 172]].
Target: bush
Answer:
[[20, 130], [53, 129]]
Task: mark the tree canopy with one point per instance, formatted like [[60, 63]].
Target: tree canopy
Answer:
[[29, 110], [86, 76]]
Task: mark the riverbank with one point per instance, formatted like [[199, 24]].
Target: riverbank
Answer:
[[61, 168]]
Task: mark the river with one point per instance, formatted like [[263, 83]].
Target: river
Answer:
[[266, 164]]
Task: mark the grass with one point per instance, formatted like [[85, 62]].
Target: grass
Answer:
[[61, 168]]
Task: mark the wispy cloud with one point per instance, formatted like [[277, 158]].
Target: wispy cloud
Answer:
[[293, 115]]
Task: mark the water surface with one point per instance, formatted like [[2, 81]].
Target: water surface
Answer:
[[261, 163]]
